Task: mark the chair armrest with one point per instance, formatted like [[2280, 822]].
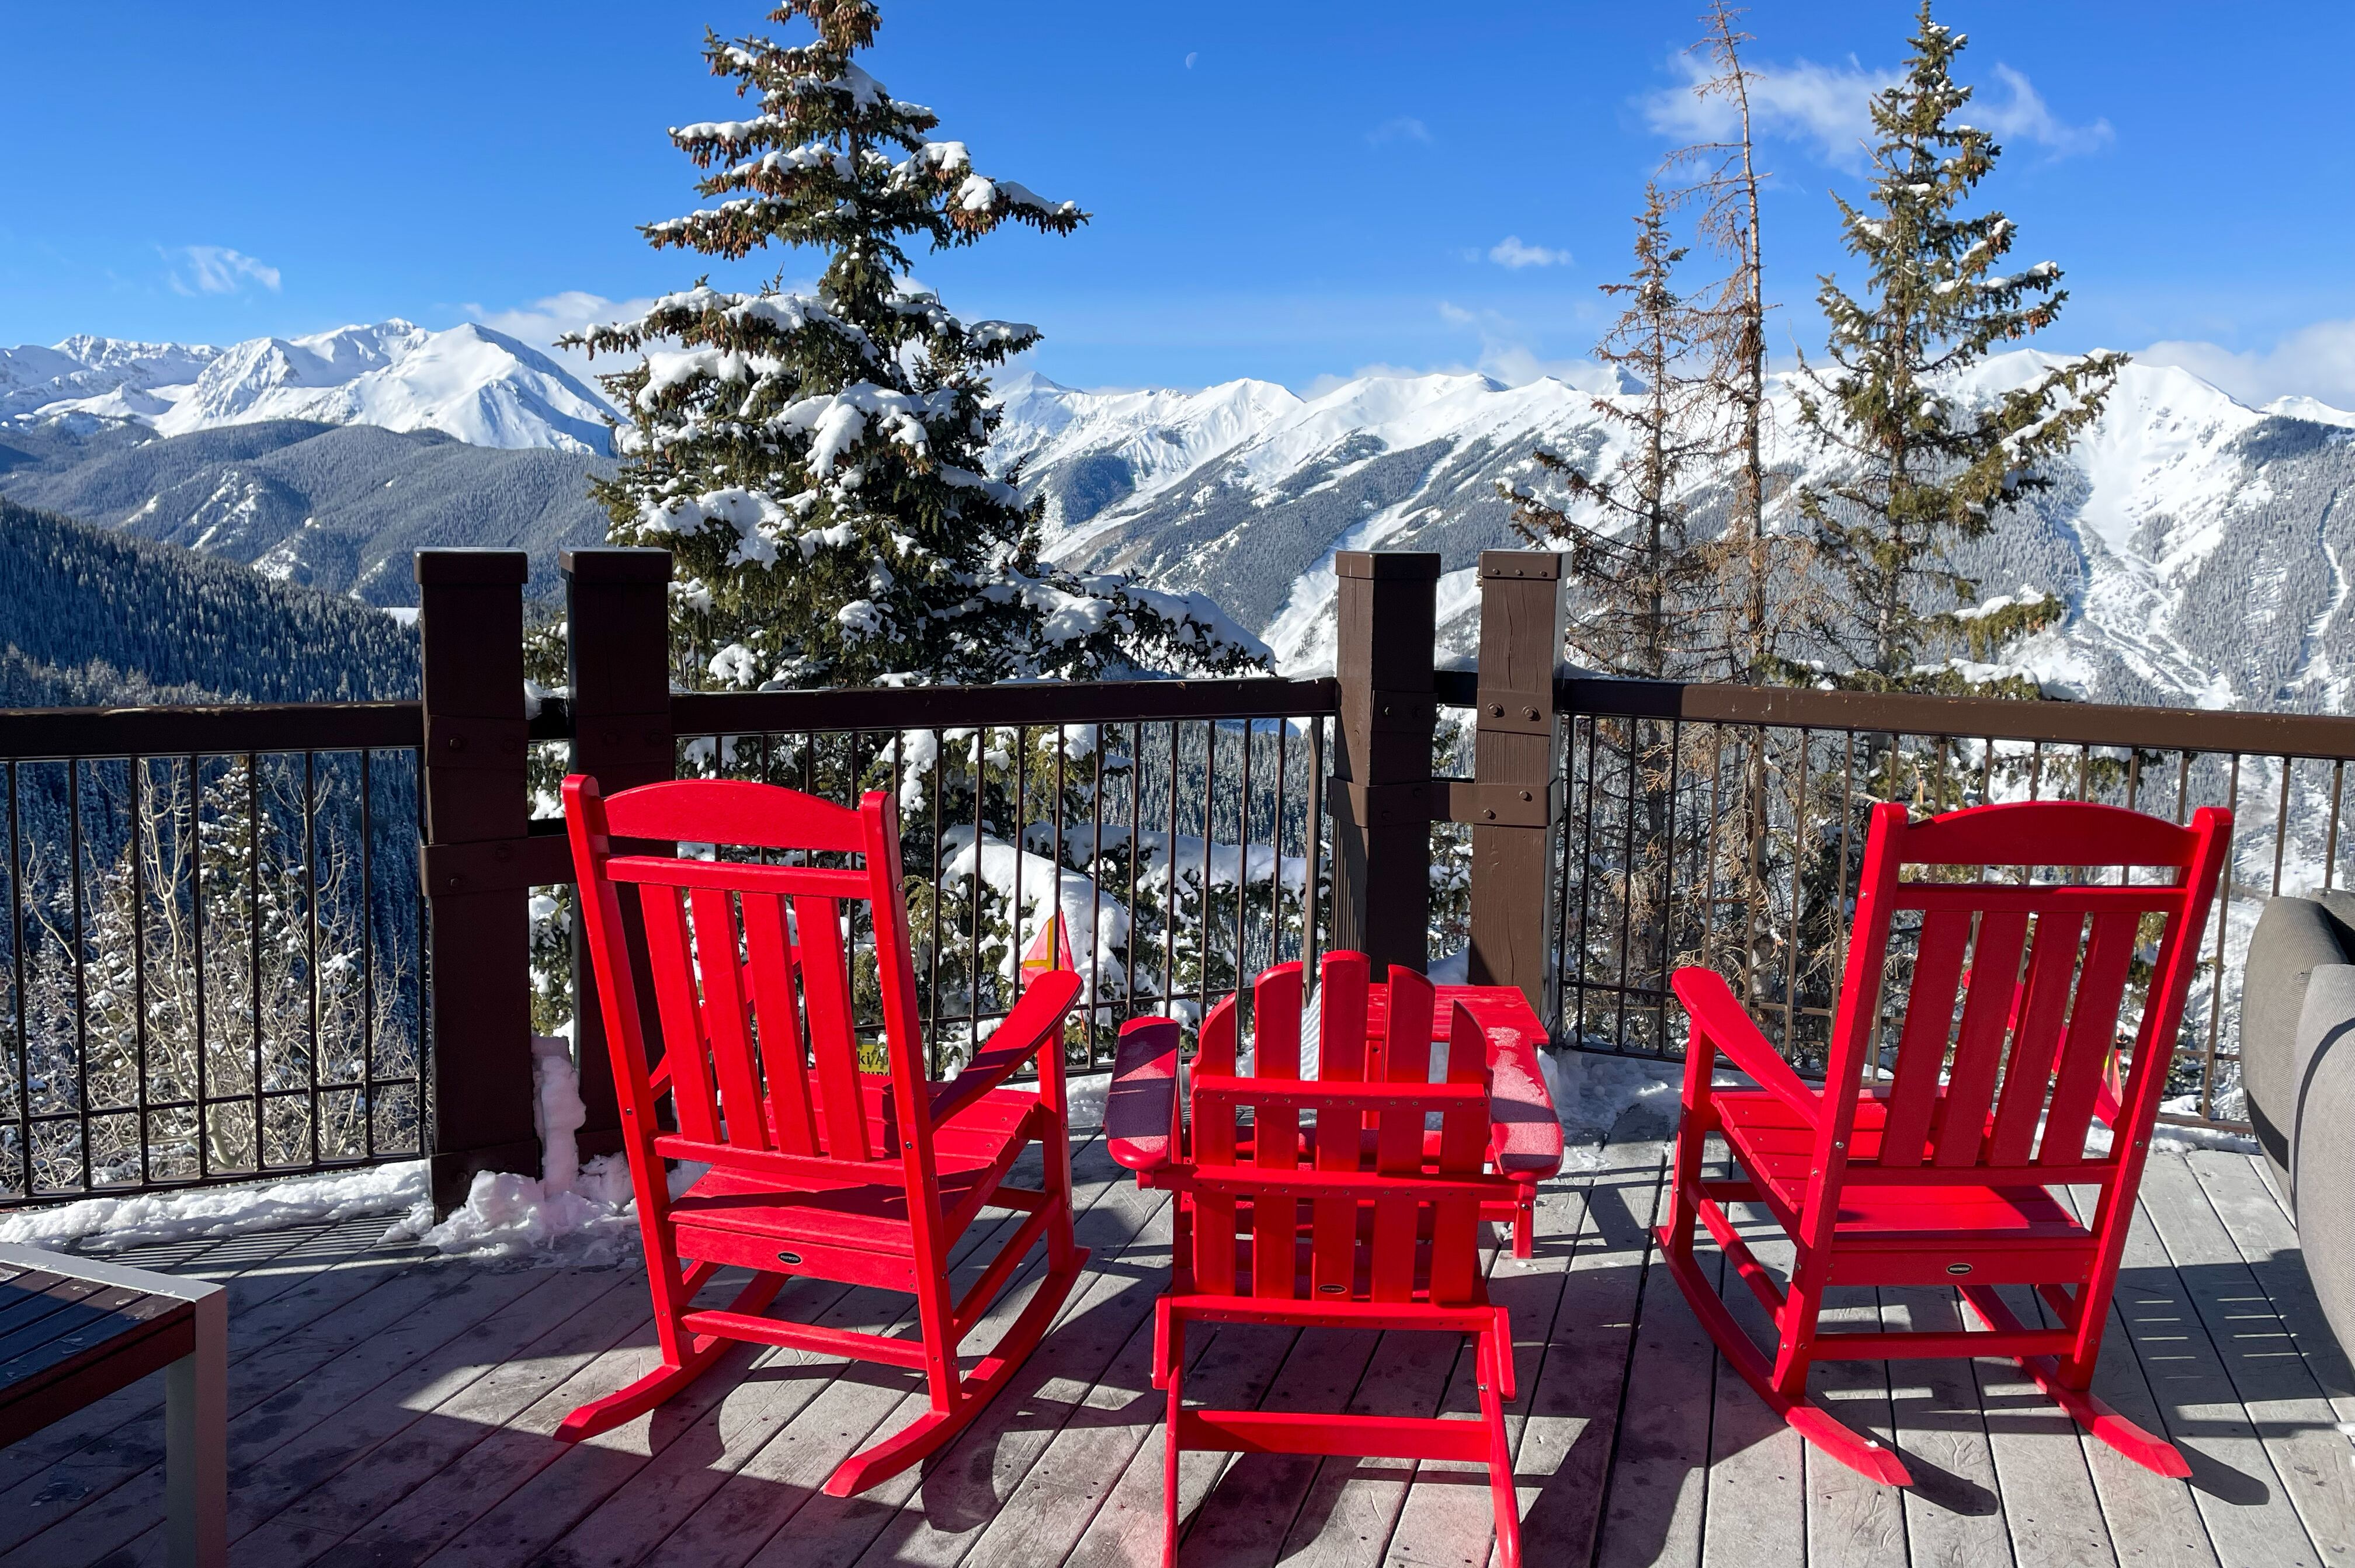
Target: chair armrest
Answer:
[[1720, 1018], [1524, 1128], [1037, 1018], [1141, 1113]]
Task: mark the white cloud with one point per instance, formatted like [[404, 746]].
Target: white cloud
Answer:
[[1510, 252], [1383, 368], [1828, 107], [2316, 361], [1406, 128], [2027, 118], [1506, 355], [216, 270], [543, 321]]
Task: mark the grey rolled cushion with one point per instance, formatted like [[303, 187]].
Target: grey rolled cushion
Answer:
[[2324, 1137], [2294, 936]]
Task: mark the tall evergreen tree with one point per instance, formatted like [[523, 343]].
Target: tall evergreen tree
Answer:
[[1923, 465], [814, 461], [1642, 583]]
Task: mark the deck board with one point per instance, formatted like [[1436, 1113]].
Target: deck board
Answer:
[[390, 1408], [1757, 1474]]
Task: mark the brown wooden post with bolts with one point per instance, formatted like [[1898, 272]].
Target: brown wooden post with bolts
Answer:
[[617, 620], [1382, 796], [1516, 817], [477, 866]]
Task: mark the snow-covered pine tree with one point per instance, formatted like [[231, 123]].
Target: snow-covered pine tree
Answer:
[[1641, 582], [815, 461], [1923, 466]]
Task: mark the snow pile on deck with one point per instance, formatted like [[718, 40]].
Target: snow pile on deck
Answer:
[[111, 1224], [1611, 1099], [508, 1216], [570, 1213]]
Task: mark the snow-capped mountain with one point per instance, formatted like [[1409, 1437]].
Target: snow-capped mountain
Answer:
[[105, 376], [2200, 543], [482, 387]]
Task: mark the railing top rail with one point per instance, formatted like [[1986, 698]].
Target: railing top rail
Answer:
[[961, 707], [2323, 736], [211, 730]]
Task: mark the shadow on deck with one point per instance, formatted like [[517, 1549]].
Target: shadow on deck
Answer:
[[389, 1407]]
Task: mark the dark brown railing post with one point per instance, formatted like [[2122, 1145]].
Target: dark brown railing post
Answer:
[[478, 925], [1383, 799], [1522, 605], [617, 623]]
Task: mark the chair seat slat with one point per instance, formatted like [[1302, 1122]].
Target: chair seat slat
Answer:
[[669, 950], [1979, 1049], [792, 1117], [1921, 1044], [725, 1021], [2036, 1039], [1276, 1129], [2092, 1029], [833, 1040], [1405, 1058], [1214, 1146]]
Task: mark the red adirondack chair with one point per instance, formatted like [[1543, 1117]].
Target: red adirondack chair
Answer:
[[1940, 1177], [817, 1169], [1351, 1222]]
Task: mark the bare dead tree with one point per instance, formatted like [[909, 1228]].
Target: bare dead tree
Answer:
[[1719, 180]]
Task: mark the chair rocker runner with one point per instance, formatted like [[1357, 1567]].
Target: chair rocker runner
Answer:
[[1942, 1175], [1354, 1220], [818, 1168]]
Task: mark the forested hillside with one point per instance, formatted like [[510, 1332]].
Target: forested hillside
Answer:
[[92, 617], [339, 508]]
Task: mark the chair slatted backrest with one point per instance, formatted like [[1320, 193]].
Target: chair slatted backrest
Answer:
[[2018, 988], [1363, 1150], [750, 971]]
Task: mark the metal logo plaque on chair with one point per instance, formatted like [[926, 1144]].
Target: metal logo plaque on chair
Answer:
[[818, 1168]]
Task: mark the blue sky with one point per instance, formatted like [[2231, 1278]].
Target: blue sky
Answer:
[[1295, 191]]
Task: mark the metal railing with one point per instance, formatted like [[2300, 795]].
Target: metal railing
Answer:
[[1176, 828], [210, 968], [1723, 826], [220, 920]]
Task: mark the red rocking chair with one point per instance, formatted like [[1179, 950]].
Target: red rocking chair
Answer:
[[1373, 1228], [1941, 1177], [817, 1169]]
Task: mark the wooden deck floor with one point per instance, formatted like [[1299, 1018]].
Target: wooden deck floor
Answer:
[[387, 1408]]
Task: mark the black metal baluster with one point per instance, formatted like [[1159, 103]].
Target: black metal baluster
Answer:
[[253, 923], [16, 947], [139, 961], [81, 1001], [368, 960]]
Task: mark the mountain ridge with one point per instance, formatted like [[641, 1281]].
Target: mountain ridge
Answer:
[[2198, 542], [468, 381]]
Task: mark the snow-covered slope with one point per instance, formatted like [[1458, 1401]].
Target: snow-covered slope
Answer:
[[482, 387], [104, 376], [2200, 542]]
